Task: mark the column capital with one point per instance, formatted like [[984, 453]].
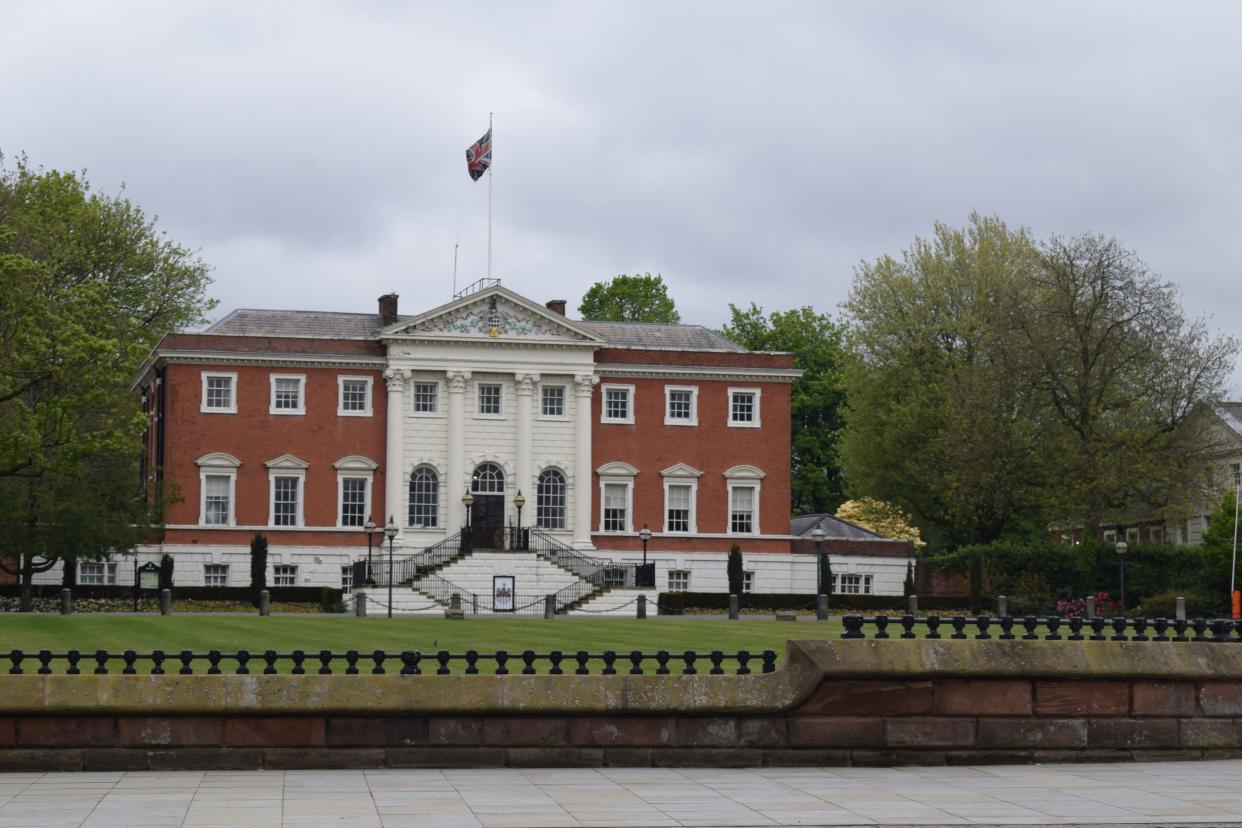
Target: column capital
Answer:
[[584, 384], [526, 383], [457, 381], [396, 378]]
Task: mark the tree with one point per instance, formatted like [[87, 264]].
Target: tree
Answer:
[[817, 397], [87, 286], [907, 588], [258, 566], [882, 518], [737, 578], [825, 574], [1216, 550], [630, 299]]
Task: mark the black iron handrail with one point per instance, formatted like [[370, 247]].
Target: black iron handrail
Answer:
[[1051, 628], [432, 557]]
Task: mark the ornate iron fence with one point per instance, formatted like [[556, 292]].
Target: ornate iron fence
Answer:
[[1051, 628]]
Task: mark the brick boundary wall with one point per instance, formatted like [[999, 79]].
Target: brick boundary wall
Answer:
[[831, 703]]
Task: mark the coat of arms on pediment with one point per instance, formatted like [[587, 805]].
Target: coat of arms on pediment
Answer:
[[493, 315]]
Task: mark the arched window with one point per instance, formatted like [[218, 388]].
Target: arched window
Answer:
[[550, 500], [424, 497], [488, 479]]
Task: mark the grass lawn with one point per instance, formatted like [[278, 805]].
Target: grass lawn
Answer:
[[339, 633]]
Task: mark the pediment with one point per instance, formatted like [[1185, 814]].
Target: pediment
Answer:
[[745, 472], [287, 461], [218, 459], [495, 313], [616, 468], [355, 462], [681, 470]]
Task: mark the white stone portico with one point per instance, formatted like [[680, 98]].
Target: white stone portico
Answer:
[[497, 344]]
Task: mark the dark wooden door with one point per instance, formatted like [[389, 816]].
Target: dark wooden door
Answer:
[[487, 521]]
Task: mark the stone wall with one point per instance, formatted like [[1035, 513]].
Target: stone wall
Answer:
[[858, 702]]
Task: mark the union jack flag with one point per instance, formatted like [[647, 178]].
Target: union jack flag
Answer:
[[479, 156]]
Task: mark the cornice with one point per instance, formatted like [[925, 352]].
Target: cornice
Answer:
[[253, 358], [704, 372]]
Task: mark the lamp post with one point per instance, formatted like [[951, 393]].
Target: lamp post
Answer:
[[390, 532], [467, 500], [817, 535], [1121, 548], [370, 528], [645, 535], [519, 502]]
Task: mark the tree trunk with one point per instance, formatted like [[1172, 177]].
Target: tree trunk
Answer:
[[27, 603]]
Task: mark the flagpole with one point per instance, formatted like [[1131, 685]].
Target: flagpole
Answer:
[[489, 196]]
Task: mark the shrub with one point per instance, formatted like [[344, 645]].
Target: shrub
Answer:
[[258, 566], [734, 570], [1164, 605]]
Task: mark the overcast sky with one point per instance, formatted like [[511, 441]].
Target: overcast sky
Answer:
[[314, 152]]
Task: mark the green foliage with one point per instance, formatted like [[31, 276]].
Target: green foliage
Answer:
[[258, 566], [734, 570], [825, 575], [908, 587], [630, 299], [817, 396], [1164, 605], [976, 582], [1217, 547]]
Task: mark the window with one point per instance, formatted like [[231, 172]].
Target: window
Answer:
[[679, 580], [748, 582], [616, 507], [1110, 536], [681, 405], [287, 396], [285, 501], [553, 402], [354, 397], [851, 584], [354, 501], [489, 399], [216, 575], [425, 394], [677, 507], [424, 497], [1156, 534], [1236, 468], [96, 574], [550, 500], [284, 575], [618, 404], [219, 393], [347, 578], [218, 499], [744, 407], [742, 510], [488, 479], [615, 576], [1132, 535]]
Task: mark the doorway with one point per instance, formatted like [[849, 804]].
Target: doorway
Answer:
[[487, 513]]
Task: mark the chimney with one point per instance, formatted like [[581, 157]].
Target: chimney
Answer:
[[388, 308], [556, 306]]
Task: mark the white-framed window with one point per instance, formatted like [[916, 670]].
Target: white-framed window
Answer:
[[347, 578], [219, 392], [851, 584], [284, 575], [679, 580], [616, 496], [488, 478], [426, 398], [1132, 535], [748, 581], [1110, 536], [552, 401], [353, 397], [677, 507], [354, 475], [743, 506], [217, 485], [550, 500], [286, 479], [681, 405], [97, 573], [424, 497], [288, 394], [216, 575], [1156, 534], [618, 404], [744, 407], [490, 400], [1236, 469]]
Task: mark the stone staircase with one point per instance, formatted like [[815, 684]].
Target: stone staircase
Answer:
[[617, 603], [405, 601], [533, 578]]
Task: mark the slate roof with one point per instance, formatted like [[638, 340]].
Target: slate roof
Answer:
[[1231, 413], [834, 528], [334, 325]]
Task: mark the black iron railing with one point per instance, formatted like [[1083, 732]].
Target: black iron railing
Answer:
[[1052, 628], [380, 662], [429, 559]]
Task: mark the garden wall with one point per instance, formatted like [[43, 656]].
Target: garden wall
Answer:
[[861, 702]]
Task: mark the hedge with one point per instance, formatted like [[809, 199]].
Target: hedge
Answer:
[[285, 594], [676, 603]]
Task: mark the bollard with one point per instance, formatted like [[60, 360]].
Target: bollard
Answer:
[[1090, 607], [733, 607], [1181, 608], [1002, 605], [66, 602], [165, 602], [912, 605], [641, 612], [360, 604], [549, 606], [821, 607], [265, 603]]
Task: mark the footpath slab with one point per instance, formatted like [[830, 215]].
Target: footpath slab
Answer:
[[1158, 793]]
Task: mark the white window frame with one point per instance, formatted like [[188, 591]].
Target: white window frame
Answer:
[[754, 487], [694, 405], [864, 585], [1110, 536], [301, 409], [293, 571], [743, 476], [1156, 534], [682, 475], [232, 377], [286, 466], [434, 412], [207, 578], [758, 392], [367, 410], [353, 466], [622, 474], [439, 495], [108, 573], [217, 464], [679, 573], [629, 408], [564, 415], [748, 580], [347, 578], [478, 400]]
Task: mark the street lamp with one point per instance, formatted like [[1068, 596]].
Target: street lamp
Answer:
[[467, 500], [370, 528], [817, 535], [645, 535], [1121, 548], [519, 502], [390, 532]]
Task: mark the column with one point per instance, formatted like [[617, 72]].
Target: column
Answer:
[[584, 479], [456, 473], [394, 458], [525, 437]]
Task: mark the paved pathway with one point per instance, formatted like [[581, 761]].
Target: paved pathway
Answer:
[[1164, 793]]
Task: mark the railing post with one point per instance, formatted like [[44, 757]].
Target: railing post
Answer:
[[1090, 607], [265, 603], [1181, 609], [165, 602], [66, 601], [641, 612], [549, 606], [360, 604], [733, 607], [821, 607], [912, 606], [1002, 605]]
